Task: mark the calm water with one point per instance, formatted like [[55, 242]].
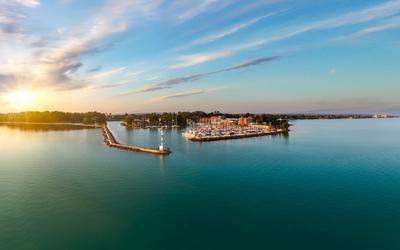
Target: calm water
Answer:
[[331, 184]]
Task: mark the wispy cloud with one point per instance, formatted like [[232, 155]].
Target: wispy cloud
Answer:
[[95, 69], [113, 78], [147, 89], [181, 94], [393, 23], [179, 80], [5, 81], [251, 6], [194, 59], [28, 3], [109, 19], [56, 64], [113, 85], [12, 18], [185, 94], [190, 78], [188, 9], [152, 78], [133, 73], [237, 9], [250, 63], [106, 74], [367, 14], [377, 11], [226, 32]]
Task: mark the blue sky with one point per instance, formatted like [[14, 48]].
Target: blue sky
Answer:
[[228, 55]]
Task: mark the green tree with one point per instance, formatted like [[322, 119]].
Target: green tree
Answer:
[[128, 119]]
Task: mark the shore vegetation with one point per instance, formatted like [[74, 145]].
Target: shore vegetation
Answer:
[[54, 117]]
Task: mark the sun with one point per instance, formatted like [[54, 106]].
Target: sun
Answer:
[[21, 99]]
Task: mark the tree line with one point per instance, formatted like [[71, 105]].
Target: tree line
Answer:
[[54, 117], [183, 118]]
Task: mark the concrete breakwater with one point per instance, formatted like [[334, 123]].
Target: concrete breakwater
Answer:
[[110, 140], [236, 136]]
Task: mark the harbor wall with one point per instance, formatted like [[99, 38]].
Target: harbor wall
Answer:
[[110, 140], [220, 138]]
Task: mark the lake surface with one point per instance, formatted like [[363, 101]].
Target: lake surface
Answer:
[[330, 184]]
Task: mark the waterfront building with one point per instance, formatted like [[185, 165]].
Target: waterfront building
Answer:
[[245, 121], [260, 126], [249, 120], [379, 116], [217, 121], [205, 120], [138, 123], [242, 121], [232, 121]]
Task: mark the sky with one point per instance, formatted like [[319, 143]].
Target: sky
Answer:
[[260, 56]]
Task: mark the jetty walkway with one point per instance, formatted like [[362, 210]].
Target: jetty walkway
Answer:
[[110, 140]]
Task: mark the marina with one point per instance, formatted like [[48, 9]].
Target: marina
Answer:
[[218, 128], [216, 134]]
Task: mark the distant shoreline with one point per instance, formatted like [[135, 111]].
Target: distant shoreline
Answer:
[[54, 123], [296, 119]]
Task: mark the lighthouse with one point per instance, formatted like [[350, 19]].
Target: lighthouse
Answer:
[[161, 147]]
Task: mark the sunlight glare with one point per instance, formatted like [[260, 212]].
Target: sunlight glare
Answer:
[[21, 99]]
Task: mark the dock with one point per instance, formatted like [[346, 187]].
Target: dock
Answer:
[[55, 124], [237, 136], [207, 133], [110, 140]]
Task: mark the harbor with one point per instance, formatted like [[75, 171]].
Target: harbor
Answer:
[[213, 134], [221, 128]]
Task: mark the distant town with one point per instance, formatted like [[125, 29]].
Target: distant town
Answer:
[[222, 128], [213, 126], [171, 119], [188, 119], [200, 126]]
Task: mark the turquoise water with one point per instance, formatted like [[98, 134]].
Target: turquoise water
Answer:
[[330, 184]]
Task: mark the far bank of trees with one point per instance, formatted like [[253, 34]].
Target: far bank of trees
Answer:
[[54, 117], [183, 119]]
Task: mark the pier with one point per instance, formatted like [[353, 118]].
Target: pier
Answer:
[[235, 136], [110, 140], [206, 133]]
